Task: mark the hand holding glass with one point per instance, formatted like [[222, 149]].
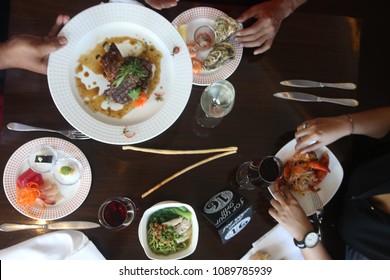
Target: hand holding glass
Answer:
[[217, 101], [259, 173]]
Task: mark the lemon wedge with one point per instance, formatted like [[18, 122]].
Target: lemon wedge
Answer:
[[183, 32]]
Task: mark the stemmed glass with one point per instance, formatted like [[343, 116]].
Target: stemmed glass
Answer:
[[259, 173], [216, 101]]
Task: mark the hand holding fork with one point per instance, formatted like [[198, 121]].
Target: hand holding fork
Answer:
[[318, 205]]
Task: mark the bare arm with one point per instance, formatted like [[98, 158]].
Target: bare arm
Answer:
[[323, 131], [32, 52], [287, 211], [269, 16]]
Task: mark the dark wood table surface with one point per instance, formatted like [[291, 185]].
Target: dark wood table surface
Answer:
[[309, 46]]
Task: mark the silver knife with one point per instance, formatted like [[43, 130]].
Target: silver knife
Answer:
[[53, 226], [311, 84], [305, 97]]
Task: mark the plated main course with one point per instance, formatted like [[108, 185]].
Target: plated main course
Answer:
[[304, 172], [131, 69]]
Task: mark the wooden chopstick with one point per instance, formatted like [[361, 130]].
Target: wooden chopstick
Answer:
[[187, 169], [179, 152]]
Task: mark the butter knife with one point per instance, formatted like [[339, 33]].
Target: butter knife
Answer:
[[305, 97], [7, 227], [311, 84]]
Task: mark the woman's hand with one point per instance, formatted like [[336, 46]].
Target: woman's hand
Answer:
[[320, 132], [32, 52], [287, 212]]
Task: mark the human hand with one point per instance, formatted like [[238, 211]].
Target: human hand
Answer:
[[32, 52], [269, 16], [320, 132], [287, 212], [162, 4]]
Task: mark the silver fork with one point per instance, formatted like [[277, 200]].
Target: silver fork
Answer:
[[319, 206], [70, 133]]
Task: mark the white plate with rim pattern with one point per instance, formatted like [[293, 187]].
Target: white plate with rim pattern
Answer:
[[199, 16], [72, 196], [90, 28]]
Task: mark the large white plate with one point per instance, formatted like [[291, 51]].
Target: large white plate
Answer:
[[93, 26], [199, 16], [72, 196], [328, 186]]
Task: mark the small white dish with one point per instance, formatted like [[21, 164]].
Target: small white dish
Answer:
[[67, 171], [42, 158], [143, 229]]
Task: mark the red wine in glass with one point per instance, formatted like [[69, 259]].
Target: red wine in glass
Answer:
[[259, 173], [116, 212]]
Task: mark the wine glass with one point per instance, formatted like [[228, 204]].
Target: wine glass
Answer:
[[216, 101], [259, 173], [116, 212]]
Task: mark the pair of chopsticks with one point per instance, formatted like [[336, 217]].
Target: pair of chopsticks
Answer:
[[221, 153]]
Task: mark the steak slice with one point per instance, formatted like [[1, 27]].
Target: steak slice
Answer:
[[111, 61]]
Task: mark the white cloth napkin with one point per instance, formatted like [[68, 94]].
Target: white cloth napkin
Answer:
[[57, 245], [278, 243]]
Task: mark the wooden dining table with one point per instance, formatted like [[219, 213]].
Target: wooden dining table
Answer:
[[308, 46]]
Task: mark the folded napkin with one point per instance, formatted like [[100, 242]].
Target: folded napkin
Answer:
[[57, 245], [278, 243]]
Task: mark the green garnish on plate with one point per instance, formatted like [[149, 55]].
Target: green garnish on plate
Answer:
[[66, 170]]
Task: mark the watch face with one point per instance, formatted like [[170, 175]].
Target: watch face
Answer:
[[311, 239]]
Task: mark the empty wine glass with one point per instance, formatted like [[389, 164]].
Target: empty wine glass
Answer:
[[217, 101], [259, 173]]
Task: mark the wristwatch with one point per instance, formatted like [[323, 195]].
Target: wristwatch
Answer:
[[309, 241]]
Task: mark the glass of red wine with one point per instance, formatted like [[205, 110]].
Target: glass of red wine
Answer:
[[259, 173], [116, 212]]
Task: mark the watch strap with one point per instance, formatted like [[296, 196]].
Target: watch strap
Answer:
[[302, 244]]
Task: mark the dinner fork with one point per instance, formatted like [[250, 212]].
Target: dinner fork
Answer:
[[70, 133], [319, 206]]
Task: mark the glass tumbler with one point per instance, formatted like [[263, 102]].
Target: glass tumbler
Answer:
[[259, 173], [216, 101], [204, 37], [116, 213]]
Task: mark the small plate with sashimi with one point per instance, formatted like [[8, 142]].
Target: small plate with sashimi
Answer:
[[47, 195]]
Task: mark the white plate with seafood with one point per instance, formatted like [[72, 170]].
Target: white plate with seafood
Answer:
[[328, 186], [195, 18], [131, 27], [71, 197], [191, 230]]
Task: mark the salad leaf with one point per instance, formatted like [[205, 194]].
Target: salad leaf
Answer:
[[169, 213]]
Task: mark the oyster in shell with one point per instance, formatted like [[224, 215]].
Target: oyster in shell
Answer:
[[220, 54], [225, 27]]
